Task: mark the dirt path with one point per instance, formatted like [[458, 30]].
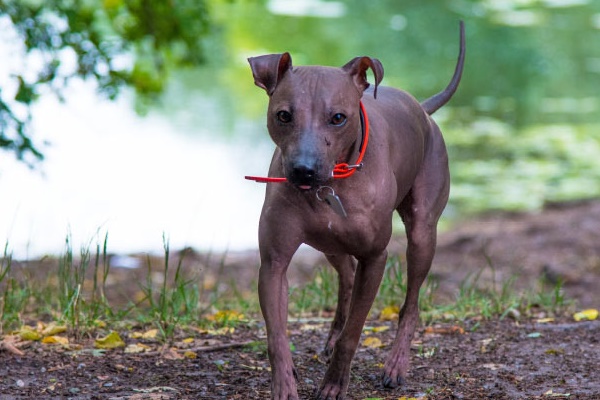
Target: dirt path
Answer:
[[494, 360]]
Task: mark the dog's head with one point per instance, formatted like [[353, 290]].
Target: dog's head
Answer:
[[314, 114]]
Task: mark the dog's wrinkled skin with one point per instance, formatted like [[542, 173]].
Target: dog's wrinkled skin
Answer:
[[313, 118]]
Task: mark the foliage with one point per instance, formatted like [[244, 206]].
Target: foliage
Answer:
[[116, 43]]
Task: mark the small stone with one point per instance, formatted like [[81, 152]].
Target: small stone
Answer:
[[20, 383], [74, 390]]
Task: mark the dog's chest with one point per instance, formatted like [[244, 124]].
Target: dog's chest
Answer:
[[357, 233]]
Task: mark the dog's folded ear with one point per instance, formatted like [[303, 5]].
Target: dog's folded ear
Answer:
[[269, 69], [357, 69]]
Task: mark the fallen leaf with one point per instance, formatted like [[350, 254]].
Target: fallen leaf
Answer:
[[534, 335], [53, 329], [586, 315], [375, 329], [311, 327], [225, 316], [150, 334], [492, 367], [389, 313], [172, 354], [444, 330], [221, 331], [188, 340], [137, 348], [11, 344], [111, 341], [545, 320], [372, 342], [550, 393], [55, 340], [190, 354], [29, 333]]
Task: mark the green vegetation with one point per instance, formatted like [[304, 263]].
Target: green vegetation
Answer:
[[74, 291]]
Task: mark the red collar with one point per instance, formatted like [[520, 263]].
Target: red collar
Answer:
[[342, 170]]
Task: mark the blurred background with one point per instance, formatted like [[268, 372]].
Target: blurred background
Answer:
[[139, 119]]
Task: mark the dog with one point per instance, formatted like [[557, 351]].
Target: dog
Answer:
[[348, 154]]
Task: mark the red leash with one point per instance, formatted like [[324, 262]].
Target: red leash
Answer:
[[342, 170]]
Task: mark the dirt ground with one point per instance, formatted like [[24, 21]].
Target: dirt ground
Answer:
[[490, 359]]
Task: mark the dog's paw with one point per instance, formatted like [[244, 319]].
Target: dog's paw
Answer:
[[283, 387], [330, 392], [392, 382], [335, 383]]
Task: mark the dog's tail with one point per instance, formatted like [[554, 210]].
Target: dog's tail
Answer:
[[435, 102]]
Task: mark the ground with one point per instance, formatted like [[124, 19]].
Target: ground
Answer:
[[515, 357]]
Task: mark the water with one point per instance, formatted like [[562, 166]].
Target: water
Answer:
[[108, 170]]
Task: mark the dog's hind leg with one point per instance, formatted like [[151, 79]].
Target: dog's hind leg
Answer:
[[420, 211], [345, 265]]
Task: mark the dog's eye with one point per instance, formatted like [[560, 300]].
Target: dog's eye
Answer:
[[284, 116], [338, 119]]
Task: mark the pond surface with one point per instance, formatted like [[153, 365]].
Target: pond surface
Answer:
[[523, 129]]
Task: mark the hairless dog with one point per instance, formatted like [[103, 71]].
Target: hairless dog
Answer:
[[347, 156]]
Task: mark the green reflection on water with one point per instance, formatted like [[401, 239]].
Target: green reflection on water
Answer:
[[523, 127]]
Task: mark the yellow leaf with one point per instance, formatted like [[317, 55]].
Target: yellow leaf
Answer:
[[28, 333], [372, 342], [586, 315], [111, 341], [189, 354], [375, 329], [389, 313], [150, 334], [188, 340], [221, 331], [545, 320], [136, 348], [53, 329], [226, 316], [380, 329], [136, 335], [99, 323], [444, 330], [55, 340]]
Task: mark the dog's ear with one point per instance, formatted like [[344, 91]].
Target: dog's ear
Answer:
[[357, 69], [269, 69]]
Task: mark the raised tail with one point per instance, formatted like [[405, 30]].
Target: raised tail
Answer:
[[435, 102]]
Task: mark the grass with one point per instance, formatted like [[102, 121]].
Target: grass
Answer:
[[169, 294]]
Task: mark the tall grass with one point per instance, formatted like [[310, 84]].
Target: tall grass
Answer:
[[176, 302], [14, 294], [76, 293]]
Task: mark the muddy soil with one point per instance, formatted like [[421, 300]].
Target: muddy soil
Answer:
[[495, 359]]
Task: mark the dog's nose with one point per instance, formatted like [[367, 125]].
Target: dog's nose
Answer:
[[304, 172], [303, 175]]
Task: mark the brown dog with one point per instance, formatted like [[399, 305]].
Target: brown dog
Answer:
[[347, 156]]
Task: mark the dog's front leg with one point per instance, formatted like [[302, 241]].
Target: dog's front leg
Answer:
[[273, 297], [345, 265], [366, 283]]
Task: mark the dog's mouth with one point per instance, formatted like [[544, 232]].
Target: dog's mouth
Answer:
[[305, 178]]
